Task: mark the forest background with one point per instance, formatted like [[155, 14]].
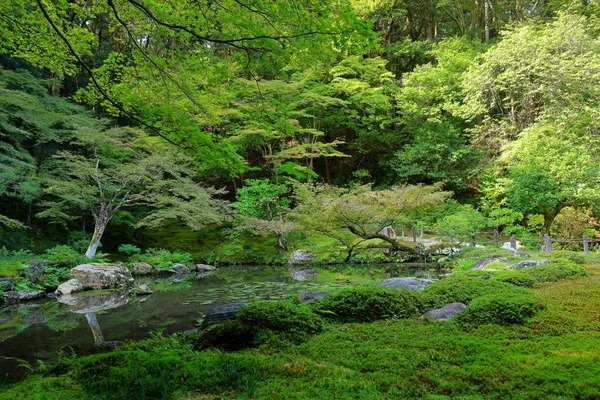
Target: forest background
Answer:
[[263, 126]]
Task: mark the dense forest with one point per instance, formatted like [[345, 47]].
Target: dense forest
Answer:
[[129, 116]]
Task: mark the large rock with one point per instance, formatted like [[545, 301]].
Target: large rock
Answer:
[[142, 268], [35, 270], [301, 257], [517, 253], [91, 302], [7, 284], [221, 314], [485, 261], [445, 313], [180, 269], [70, 286], [102, 276], [311, 297], [204, 268], [506, 245], [531, 263], [12, 369], [406, 283], [22, 295]]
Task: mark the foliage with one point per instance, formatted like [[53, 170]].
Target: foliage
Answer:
[[367, 304], [274, 323], [503, 309], [129, 249], [561, 255], [462, 225], [64, 257], [555, 271], [161, 258], [464, 288]]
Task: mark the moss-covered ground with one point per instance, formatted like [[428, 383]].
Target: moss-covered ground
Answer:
[[555, 355]]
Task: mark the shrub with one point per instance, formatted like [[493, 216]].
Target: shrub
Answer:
[[368, 303], [161, 258], [276, 323], [517, 278], [501, 308], [560, 255], [464, 288], [555, 271], [129, 249], [64, 257]]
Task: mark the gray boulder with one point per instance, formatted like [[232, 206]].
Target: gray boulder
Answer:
[[221, 314], [14, 296], [7, 284], [301, 257], [35, 270], [102, 276], [517, 253], [445, 313], [531, 263], [204, 268], [143, 289], [406, 283], [311, 297], [13, 369], [180, 269], [142, 268], [70, 286], [485, 261]]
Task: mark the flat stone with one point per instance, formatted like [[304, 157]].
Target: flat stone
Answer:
[[445, 313], [22, 295], [531, 263], [406, 283], [221, 314], [311, 297], [70, 286], [485, 261]]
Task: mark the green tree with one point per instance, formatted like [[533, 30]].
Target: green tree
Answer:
[[262, 206], [358, 215]]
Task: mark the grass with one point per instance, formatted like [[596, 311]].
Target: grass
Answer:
[[11, 268]]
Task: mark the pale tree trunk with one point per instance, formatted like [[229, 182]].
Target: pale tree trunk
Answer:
[[101, 221], [487, 19]]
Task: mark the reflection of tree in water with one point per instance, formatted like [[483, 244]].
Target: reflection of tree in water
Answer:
[[92, 302]]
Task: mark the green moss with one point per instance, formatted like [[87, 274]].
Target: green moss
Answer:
[[11, 268], [501, 308], [369, 303]]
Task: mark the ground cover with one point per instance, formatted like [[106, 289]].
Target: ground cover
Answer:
[[554, 355]]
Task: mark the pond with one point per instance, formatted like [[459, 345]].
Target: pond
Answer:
[[41, 330]]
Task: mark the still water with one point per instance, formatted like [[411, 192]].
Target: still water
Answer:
[[40, 330]]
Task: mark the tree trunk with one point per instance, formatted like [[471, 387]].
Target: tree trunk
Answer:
[[99, 228]]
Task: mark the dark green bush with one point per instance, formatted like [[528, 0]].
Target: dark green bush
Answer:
[[129, 249], [560, 255], [463, 288], [64, 257], [501, 308], [517, 278], [368, 303], [277, 322], [555, 271]]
